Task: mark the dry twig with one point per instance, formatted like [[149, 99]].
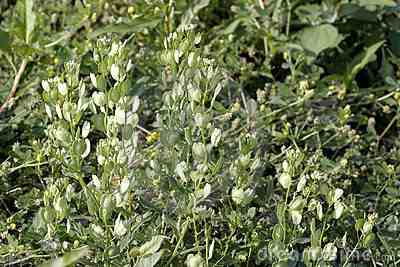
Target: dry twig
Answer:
[[15, 85]]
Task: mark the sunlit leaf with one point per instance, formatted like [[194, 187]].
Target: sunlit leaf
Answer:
[[135, 26], [149, 261], [151, 246], [26, 19], [362, 60], [67, 259], [316, 39]]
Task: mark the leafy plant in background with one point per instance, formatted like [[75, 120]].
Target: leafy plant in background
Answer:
[[243, 133]]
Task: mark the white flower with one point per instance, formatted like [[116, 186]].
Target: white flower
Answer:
[[180, 170], [304, 85], [114, 49], [119, 227], [58, 204], [320, 212], [285, 180], [85, 129], [120, 116], [200, 120], [129, 65], [87, 149], [96, 182], [67, 111], [115, 72], [58, 111], [178, 53], [239, 196], [199, 150], [101, 159], [296, 217], [93, 79], [329, 252], [190, 59], [216, 137], [45, 85], [135, 104], [338, 193], [302, 183], [97, 229], [124, 185], [197, 40], [132, 119], [207, 190], [82, 89], [194, 261], [63, 89], [99, 98], [48, 110], [339, 208], [285, 166]]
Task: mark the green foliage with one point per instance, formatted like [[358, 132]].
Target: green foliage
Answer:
[[318, 38], [199, 133]]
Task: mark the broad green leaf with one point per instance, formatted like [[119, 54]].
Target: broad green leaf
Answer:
[[135, 26], [26, 19], [362, 60], [5, 41], [316, 39], [149, 261], [67, 259], [30, 19]]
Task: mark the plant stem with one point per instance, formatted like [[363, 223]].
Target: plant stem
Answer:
[[26, 259], [15, 85]]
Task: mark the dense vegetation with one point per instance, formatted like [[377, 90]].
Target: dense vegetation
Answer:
[[199, 133]]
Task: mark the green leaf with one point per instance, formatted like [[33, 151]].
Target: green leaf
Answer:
[[394, 40], [26, 19], [5, 41], [149, 261], [368, 3], [67, 259], [30, 19], [136, 26], [192, 11], [362, 60], [232, 26], [316, 39], [152, 246], [285, 180]]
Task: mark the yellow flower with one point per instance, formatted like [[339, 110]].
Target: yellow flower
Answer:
[[152, 137]]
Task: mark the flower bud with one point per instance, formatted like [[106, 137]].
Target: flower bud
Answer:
[[93, 79], [115, 72], [119, 227], [99, 98], [216, 137], [285, 180], [199, 150], [63, 89], [45, 85]]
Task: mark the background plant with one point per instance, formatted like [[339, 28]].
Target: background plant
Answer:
[[201, 133]]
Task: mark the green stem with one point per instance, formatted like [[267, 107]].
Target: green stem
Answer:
[[182, 235], [26, 165]]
